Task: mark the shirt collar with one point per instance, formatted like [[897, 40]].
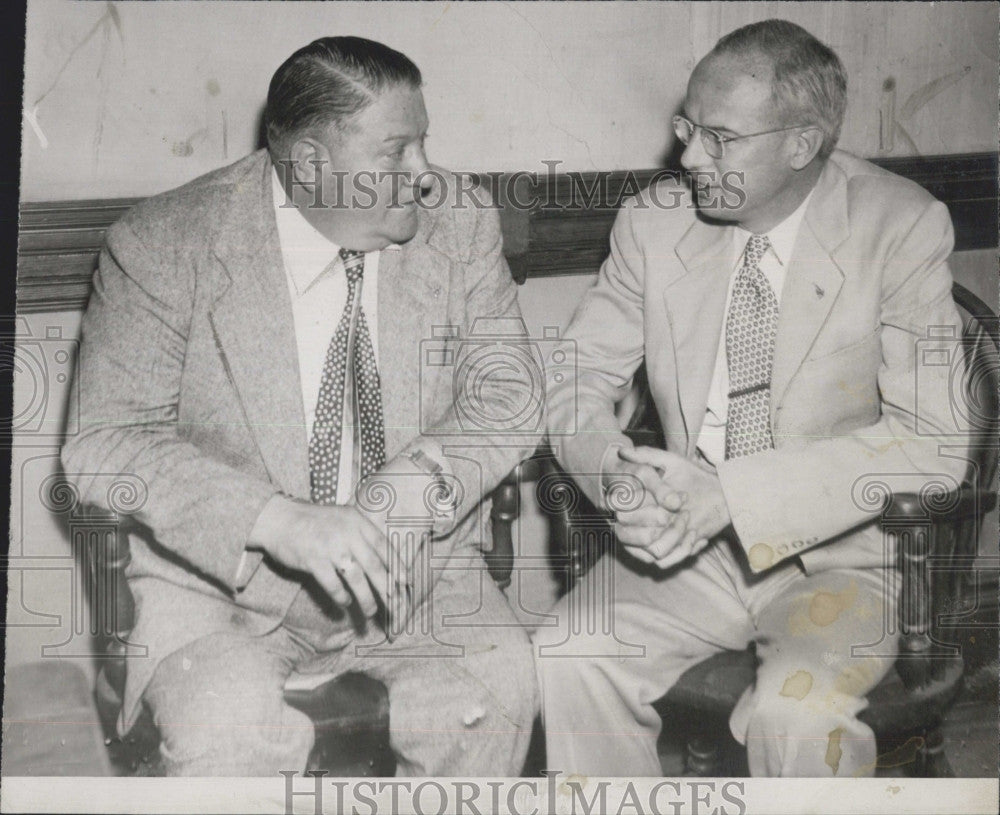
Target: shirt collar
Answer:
[[305, 250], [781, 237]]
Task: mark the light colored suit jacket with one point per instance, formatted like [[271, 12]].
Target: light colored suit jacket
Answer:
[[189, 381], [851, 401]]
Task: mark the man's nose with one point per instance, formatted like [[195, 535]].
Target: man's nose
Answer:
[[419, 170], [695, 157]]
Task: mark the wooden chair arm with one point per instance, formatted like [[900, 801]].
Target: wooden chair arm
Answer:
[[505, 511], [964, 504], [118, 556], [506, 500], [936, 536], [578, 529], [114, 611]]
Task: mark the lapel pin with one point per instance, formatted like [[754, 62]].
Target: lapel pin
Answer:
[[819, 291]]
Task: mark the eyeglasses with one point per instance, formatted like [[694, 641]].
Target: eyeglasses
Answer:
[[712, 140]]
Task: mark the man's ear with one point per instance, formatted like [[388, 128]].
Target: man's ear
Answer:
[[309, 156], [807, 144]]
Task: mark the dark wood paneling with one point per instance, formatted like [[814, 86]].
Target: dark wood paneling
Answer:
[[967, 184], [567, 241], [553, 224], [57, 248]]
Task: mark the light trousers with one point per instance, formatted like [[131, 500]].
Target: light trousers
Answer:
[[626, 633]]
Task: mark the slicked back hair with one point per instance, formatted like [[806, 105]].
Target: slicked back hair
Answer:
[[809, 84], [328, 82]]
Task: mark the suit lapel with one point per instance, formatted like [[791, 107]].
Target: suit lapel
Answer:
[[252, 319], [412, 299], [813, 281], [696, 304]]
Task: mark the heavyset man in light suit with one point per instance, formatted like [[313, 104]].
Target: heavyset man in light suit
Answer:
[[205, 371], [779, 328]]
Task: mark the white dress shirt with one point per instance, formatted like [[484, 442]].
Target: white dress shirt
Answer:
[[774, 265], [318, 297]]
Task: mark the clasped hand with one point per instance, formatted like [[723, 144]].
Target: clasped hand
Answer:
[[682, 507]]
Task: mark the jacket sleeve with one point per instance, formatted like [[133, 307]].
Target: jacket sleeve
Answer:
[[604, 347], [787, 500], [495, 410], [133, 341]]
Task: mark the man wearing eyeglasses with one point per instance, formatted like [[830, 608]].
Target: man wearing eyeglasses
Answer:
[[777, 311]]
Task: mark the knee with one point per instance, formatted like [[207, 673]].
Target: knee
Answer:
[[236, 749], [817, 738], [792, 697], [810, 720], [215, 730], [777, 717], [565, 660], [226, 740]]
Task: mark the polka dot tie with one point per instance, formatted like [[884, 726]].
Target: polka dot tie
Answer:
[[751, 326], [324, 446]]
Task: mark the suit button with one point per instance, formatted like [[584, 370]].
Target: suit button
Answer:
[[238, 619]]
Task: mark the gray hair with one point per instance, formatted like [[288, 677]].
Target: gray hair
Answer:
[[809, 84]]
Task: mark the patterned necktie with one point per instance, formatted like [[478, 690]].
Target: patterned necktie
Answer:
[[751, 325], [324, 446]]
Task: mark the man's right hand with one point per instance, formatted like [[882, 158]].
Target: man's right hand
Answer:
[[337, 545], [654, 526]]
